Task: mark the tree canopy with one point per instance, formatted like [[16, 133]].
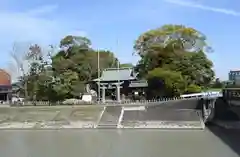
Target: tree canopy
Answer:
[[174, 54], [172, 58], [69, 70]]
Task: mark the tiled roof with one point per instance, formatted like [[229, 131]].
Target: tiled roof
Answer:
[[115, 74]]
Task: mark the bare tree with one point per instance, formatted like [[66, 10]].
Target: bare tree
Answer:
[[19, 64], [22, 57]]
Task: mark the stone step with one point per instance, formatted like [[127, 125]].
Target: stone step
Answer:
[[110, 116], [164, 125], [107, 126]]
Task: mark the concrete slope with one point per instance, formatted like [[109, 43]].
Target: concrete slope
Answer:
[[110, 117]]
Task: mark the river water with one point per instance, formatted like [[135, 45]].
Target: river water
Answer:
[[112, 143]]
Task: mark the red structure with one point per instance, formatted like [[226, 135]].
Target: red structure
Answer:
[[5, 85], [5, 78]]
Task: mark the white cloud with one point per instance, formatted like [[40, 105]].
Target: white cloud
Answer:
[[18, 26], [30, 27], [25, 26], [42, 10], [203, 7]]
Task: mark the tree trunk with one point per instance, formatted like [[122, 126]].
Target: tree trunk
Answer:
[[25, 87]]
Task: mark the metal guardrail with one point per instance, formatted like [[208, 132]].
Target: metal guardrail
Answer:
[[123, 102], [202, 95]]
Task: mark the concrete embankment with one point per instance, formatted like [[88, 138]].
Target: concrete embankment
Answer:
[[92, 115], [42, 117]]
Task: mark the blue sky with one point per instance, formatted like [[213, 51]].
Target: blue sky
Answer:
[[114, 25]]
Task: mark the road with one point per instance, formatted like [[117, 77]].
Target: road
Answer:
[[116, 143]]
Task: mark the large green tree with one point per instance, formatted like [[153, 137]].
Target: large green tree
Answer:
[[176, 49], [77, 63]]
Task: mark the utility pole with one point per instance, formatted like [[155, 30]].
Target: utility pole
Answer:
[[98, 75], [118, 84], [118, 65]]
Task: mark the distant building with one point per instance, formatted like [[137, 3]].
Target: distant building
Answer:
[[234, 75], [5, 86]]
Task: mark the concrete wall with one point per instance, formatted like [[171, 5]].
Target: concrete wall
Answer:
[[80, 112], [21, 114], [180, 104]]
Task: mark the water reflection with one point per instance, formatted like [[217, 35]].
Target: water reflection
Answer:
[[230, 137]]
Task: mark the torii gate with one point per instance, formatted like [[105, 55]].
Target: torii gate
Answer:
[[104, 86]]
